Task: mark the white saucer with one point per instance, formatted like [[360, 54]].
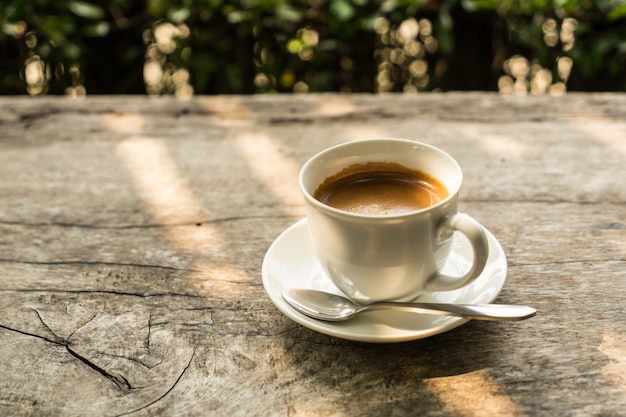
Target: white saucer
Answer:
[[290, 263]]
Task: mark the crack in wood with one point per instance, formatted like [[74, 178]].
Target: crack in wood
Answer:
[[193, 354], [149, 331], [572, 262], [198, 222], [55, 342], [57, 339], [96, 263], [121, 293], [540, 201], [119, 381]]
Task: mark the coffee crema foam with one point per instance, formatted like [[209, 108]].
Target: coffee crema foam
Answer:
[[380, 188]]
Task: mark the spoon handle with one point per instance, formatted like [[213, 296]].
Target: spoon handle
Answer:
[[491, 312]]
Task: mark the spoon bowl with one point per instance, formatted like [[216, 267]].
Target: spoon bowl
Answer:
[[325, 306]]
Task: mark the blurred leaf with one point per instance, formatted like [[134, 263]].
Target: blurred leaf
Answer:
[[86, 10], [7, 28], [178, 15], [53, 25], [445, 35], [234, 75], [235, 17], [98, 30], [342, 9], [45, 50], [617, 13], [328, 45], [72, 51], [288, 12], [614, 66], [157, 8], [602, 46]]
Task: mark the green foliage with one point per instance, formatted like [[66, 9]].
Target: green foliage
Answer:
[[256, 46]]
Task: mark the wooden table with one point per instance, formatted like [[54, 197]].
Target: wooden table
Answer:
[[133, 230]]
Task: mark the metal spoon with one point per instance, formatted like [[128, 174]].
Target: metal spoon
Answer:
[[330, 307]]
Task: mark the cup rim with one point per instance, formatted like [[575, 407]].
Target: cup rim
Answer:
[[309, 197]]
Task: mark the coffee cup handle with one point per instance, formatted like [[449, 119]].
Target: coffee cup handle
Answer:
[[478, 240]]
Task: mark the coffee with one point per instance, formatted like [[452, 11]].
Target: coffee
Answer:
[[380, 188]]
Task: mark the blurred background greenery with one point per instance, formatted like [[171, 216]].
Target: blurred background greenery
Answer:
[[187, 47]]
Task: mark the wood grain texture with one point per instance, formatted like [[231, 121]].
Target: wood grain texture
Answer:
[[132, 233]]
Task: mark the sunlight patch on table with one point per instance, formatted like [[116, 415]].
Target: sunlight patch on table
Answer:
[[335, 106], [227, 111], [501, 145], [606, 131], [473, 394], [363, 132], [164, 190], [171, 202], [613, 345], [219, 279], [124, 122], [316, 409], [271, 167]]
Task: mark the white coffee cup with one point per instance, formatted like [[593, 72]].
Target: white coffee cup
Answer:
[[390, 257]]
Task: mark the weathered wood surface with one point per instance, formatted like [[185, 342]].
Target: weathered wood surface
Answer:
[[132, 233]]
